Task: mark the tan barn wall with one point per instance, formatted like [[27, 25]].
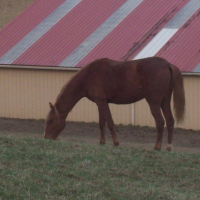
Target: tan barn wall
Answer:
[[192, 93], [25, 93]]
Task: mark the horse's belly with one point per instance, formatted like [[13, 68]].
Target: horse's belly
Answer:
[[126, 98]]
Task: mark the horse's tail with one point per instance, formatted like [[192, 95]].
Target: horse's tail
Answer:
[[178, 94]]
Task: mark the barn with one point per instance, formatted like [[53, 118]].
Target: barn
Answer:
[[44, 46]]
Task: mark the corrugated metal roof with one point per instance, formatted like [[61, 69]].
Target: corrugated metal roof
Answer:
[[183, 49], [75, 32], [71, 31], [169, 30], [14, 54], [99, 34], [25, 23], [128, 38]]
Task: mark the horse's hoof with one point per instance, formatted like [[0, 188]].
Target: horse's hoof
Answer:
[[116, 144], [157, 148], [169, 147], [102, 142]]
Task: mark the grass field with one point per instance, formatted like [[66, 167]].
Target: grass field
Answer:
[[41, 169]]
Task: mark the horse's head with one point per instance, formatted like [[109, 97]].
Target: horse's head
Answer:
[[54, 124]]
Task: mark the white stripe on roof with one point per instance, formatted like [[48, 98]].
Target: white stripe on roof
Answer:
[[169, 30], [38, 32], [197, 69], [185, 14], [156, 43], [97, 36]]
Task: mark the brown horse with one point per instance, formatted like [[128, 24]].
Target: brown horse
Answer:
[[122, 82]]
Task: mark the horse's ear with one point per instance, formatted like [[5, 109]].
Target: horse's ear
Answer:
[[51, 106]]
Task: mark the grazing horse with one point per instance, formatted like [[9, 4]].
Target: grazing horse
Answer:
[[106, 81]]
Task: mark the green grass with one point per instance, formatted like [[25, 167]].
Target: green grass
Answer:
[[42, 169]]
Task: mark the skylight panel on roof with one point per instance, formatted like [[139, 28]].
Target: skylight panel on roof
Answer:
[[169, 30], [156, 43]]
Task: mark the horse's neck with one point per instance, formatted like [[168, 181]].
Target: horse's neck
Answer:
[[68, 97]]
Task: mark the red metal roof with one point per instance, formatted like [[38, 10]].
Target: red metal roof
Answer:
[[75, 32], [135, 31], [183, 49], [24, 23], [69, 33]]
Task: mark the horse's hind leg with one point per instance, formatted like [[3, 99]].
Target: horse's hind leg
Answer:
[[102, 124], [156, 112], [166, 108], [105, 114]]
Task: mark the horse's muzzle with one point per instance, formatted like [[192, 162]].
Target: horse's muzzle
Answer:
[[48, 137]]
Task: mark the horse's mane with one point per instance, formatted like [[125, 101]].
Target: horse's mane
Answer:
[[78, 76]]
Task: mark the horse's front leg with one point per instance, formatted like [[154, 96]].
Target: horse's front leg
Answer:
[[105, 115]]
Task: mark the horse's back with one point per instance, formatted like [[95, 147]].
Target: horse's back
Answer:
[[152, 66], [128, 81], [145, 70]]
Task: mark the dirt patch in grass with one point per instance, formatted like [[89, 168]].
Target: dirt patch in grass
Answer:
[[185, 141]]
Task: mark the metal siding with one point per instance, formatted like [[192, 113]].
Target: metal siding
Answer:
[[143, 115], [69, 33], [192, 93], [122, 114], [27, 93], [84, 111], [24, 23], [135, 31]]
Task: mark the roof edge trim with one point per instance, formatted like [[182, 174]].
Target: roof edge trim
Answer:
[[54, 68]]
